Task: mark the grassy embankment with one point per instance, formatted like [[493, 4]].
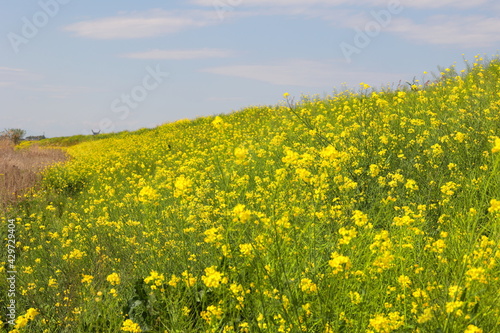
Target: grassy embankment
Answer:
[[360, 212]]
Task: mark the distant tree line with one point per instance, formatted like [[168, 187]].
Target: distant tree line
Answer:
[[13, 134], [16, 135]]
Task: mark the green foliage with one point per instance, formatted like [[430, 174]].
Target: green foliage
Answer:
[[14, 134]]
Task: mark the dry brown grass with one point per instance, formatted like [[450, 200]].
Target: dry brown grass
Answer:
[[20, 169]]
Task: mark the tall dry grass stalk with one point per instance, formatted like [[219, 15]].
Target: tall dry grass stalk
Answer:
[[20, 169]]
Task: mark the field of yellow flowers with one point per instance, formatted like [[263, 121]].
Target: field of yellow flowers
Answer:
[[368, 211]]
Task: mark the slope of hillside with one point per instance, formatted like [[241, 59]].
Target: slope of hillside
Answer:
[[360, 212]]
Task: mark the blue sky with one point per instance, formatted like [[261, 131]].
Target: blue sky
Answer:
[[71, 66]]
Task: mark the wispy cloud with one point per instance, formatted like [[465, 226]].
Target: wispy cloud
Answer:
[[159, 22], [473, 31], [11, 70], [303, 73], [433, 4], [62, 91], [150, 23], [16, 77], [424, 4], [24, 80], [267, 3], [181, 54]]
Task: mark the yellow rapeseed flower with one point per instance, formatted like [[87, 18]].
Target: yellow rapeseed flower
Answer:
[[454, 291], [449, 188], [52, 282], [241, 213], [452, 306], [494, 206], [355, 297], [211, 313], [87, 278], [241, 155], [246, 249], [148, 194], [364, 86], [129, 326], [438, 246], [31, 313], [217, 122], [23, 320], [374, 170], [460, 137], [303, 174], [387, 323], [174, 279], [476, 274], [155, 278], [339, 262], [496, 145], [473, 329], [384, 261], [75, 254], [213, 235], [404, 281], [359, 218], [411, 185], [213, 278], [403, 221], [308, 286], [347, 235], [425, 316], [188, 278], [113, 278], [182, 185]]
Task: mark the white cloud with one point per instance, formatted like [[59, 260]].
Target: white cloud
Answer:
[[268, 3], [296, 72], [16, 77], [181, 54], [432, 4], [62, 91], [473, 31], [303, 73], [447, 29], [224, 99], [158, 22], [151, 23], [429, 4], [21, 79], [7, 69]]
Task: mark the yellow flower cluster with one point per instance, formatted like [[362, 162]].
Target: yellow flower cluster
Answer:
[[130, 326], [114, 279], [387, 323], [339, 262], [213, 278], [23, 320]]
